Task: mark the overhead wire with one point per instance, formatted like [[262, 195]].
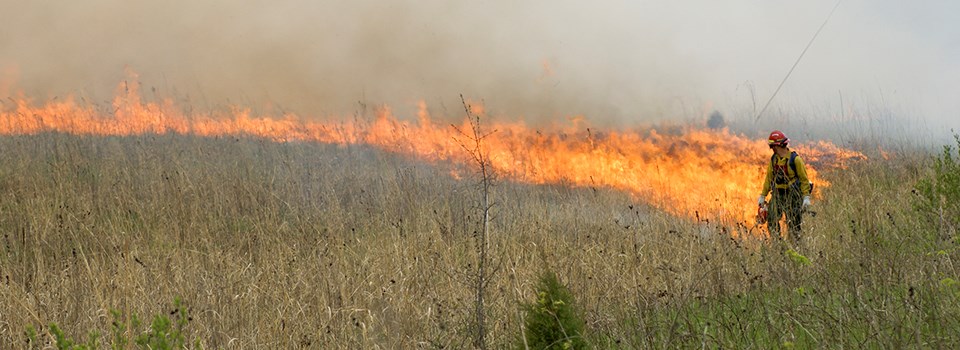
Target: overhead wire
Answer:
[[824, 24]]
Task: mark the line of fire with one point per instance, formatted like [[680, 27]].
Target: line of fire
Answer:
[[696, 172]]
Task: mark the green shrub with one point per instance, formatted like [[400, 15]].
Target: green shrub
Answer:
[[163, 333], [552, 322], [939, 194]]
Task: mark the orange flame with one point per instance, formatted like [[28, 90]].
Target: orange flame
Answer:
[[685, 171]]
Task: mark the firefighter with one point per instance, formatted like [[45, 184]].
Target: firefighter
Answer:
[[789, 187]]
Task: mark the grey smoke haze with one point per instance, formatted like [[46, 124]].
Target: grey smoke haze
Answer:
[[617, 62]]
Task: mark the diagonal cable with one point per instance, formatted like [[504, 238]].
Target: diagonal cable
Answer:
[[798, 61]]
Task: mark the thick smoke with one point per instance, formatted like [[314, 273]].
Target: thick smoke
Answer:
[[617, 63]]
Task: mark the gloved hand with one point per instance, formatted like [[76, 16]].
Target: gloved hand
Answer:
[[762, 200], [806, 202]]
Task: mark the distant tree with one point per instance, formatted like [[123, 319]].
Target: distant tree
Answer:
[[716, 121]]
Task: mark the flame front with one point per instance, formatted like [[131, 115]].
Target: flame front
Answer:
[[688, 172]]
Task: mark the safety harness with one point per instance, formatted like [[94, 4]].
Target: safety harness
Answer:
[[783, 179]]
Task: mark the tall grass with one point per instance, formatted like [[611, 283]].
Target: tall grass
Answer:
[[294, 245]]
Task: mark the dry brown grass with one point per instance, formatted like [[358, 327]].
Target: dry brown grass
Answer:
[[319, 246]]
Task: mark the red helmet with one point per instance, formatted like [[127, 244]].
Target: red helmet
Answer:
[[777, 138]]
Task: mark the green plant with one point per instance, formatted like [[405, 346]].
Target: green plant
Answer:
[[552, 322], [120, 341], [31, 334], [950, 286], [163, 333], [65, 343], [797, 257], [939, 194]]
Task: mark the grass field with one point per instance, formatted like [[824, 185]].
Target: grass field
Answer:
[[303, 245]]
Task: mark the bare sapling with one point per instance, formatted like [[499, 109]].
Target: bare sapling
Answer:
[[472, 143]]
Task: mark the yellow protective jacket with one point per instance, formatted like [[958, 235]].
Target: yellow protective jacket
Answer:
[[781, 175]]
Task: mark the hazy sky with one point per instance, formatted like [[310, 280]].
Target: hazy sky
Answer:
[[614, 61]]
